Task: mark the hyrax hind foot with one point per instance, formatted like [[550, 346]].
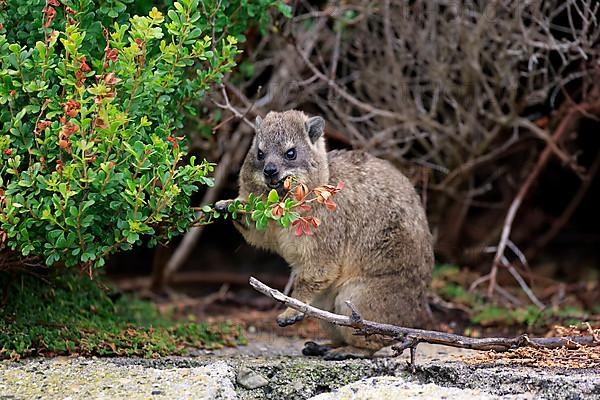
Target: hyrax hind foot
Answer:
[[347, 352], [314, 349], [330, 352], [289, 317]]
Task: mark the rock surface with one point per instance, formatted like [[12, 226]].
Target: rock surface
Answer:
[[275, 370], [80, 378], [387, 387]]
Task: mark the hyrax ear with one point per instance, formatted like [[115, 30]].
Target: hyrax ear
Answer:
[[315, 127], [257, 123]]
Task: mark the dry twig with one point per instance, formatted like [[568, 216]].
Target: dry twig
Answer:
[[570, 209], [410, 337], [566, 126]]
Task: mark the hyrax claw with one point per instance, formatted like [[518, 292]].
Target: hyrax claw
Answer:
[[289, 317], [222, 205]]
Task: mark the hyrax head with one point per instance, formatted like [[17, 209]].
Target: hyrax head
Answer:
[[286, 144]]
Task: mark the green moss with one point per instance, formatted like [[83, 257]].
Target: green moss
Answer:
[[72, 314]]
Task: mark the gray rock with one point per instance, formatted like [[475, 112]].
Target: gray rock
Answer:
[[250, 379], [439, 374], [76, 378], [382, 388]]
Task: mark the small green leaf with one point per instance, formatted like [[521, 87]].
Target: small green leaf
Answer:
[[257, 214], [273, 196], [261, 223], [285, 221]]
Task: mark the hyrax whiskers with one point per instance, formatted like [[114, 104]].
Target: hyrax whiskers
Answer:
[[375, 250]]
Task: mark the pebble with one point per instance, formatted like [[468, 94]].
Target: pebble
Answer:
[[250, 379]]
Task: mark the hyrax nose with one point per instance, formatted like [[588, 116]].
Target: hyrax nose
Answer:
[[270, 170]]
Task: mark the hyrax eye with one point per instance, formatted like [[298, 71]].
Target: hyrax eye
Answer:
[[291, 154], [260, 155]]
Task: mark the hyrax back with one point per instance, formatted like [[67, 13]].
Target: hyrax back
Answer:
[[375, 250]]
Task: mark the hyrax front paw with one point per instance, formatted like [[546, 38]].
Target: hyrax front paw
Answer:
[[222, 205], [289, 317]]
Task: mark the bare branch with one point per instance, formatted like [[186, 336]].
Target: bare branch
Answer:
[[523, 284], [568, 212], [353, 100], [411, 337], [566, 125], [446, 86], [227, 106]]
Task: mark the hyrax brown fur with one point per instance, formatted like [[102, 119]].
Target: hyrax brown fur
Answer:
[[375, 250]]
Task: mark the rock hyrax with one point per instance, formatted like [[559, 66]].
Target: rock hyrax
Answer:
[[375, 250]]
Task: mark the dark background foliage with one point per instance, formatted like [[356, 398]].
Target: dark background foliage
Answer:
[[464, 98]]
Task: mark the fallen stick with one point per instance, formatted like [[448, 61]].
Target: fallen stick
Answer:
[[411, 337]]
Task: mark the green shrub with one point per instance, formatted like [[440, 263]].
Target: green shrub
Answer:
[[90, 119]]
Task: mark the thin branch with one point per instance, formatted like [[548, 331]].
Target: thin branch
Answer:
[[513, 271], [347, 96], [565, 126], [290, 284], [411, 337], [523, 284], [552, 144], [568, 212], [515, 249], [227, 106]]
